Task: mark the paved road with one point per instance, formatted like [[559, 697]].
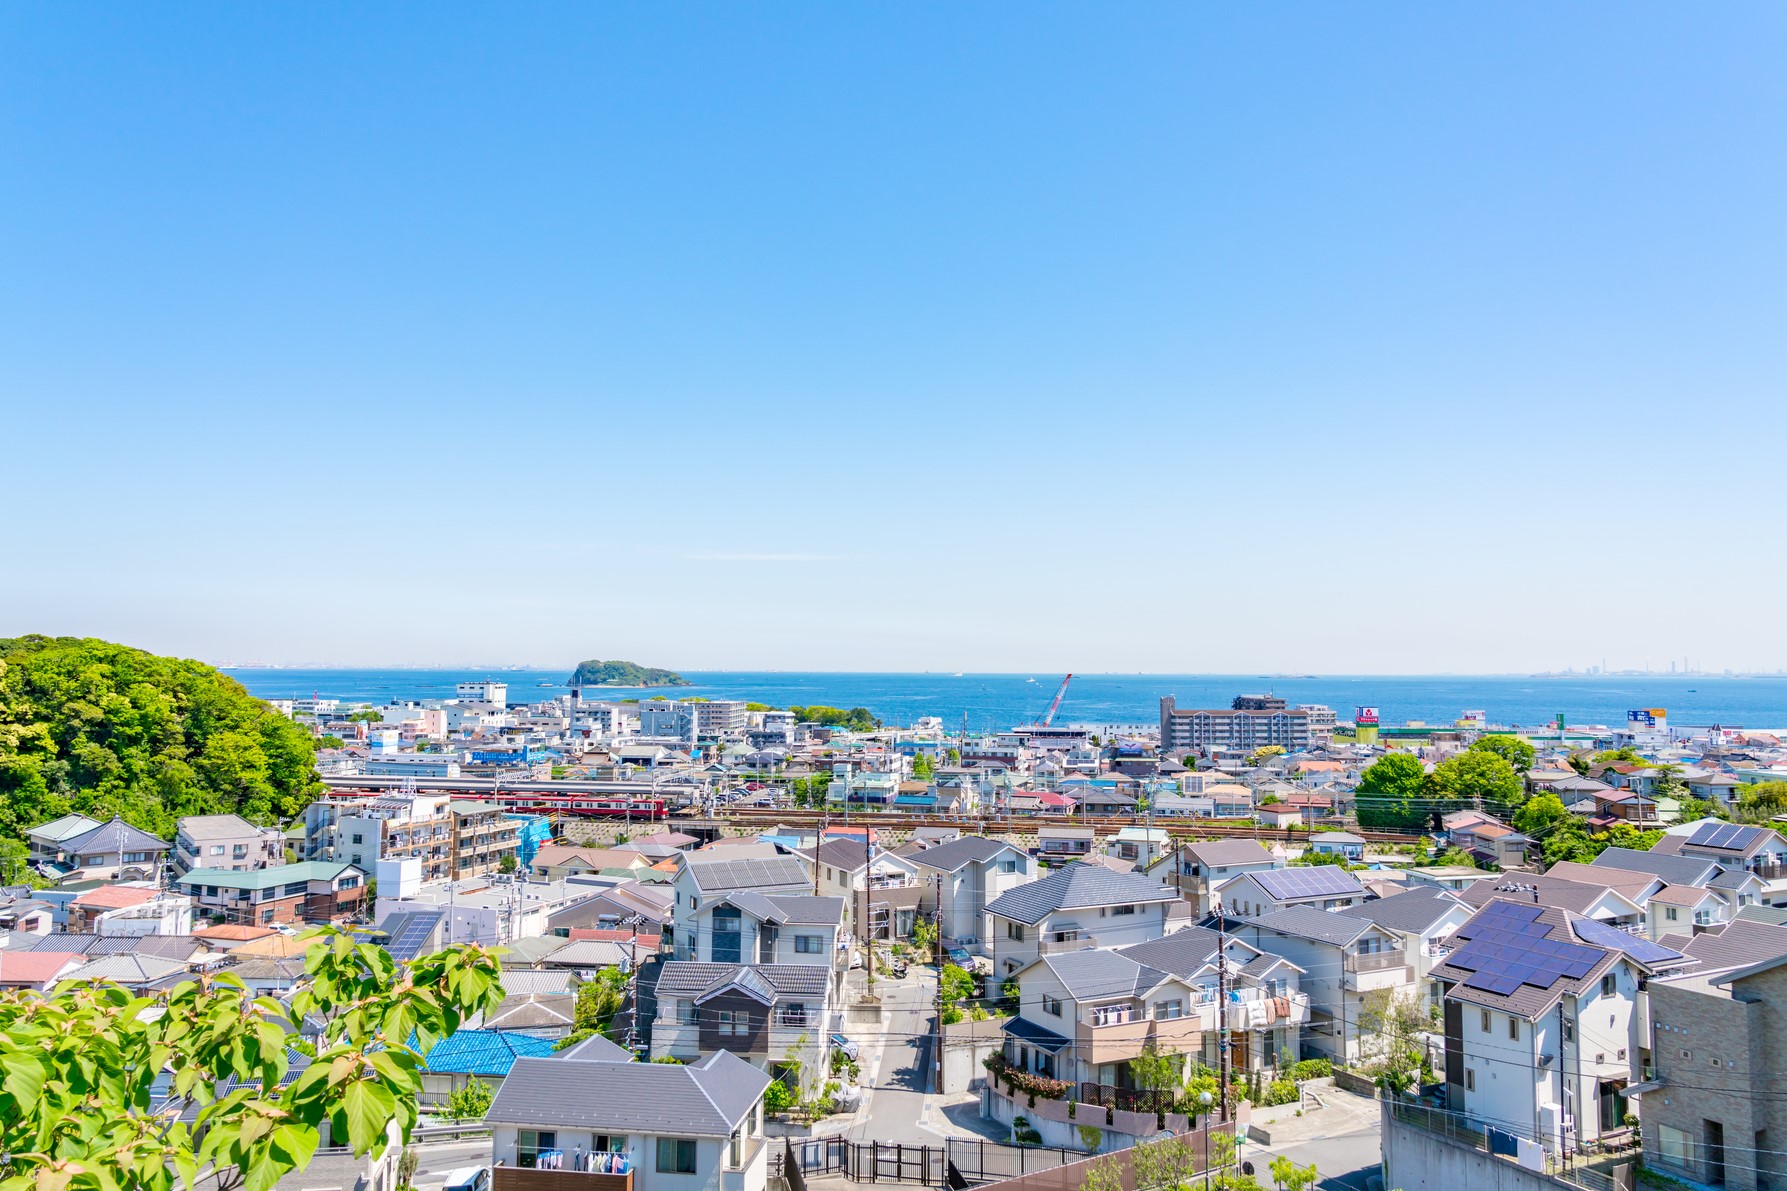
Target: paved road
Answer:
[[897, 1089]]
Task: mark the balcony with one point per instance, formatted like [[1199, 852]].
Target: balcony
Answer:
[[1367, 971], [1061, 946], [1121, 1041], [519, 1178]]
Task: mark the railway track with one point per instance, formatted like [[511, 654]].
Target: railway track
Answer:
[[981, 824]]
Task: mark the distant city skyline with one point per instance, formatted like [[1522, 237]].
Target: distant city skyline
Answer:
[[1416, 340]]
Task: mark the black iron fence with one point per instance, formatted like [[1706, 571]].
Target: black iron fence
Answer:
[[1155, 1100], [957, 1162]]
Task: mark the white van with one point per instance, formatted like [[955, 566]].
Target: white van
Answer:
[[468, 1178]]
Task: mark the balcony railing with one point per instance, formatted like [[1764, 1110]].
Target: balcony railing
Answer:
[[803, 1018], [1374, 961], [1058, 946]]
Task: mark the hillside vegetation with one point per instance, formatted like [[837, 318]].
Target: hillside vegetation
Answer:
[[103, 729], [598, 673]]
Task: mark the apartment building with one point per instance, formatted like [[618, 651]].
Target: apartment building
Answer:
[[1254, 721], [483, 834], [364, 831], [227, 842], [311, 891]]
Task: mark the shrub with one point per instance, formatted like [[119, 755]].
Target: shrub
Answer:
[[1281, 1091], [778, 1098], [1311, 1069]]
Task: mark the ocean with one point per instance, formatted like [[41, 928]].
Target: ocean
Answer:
[[992, 702]]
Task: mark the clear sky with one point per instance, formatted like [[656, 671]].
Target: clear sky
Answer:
[[1184, 338]]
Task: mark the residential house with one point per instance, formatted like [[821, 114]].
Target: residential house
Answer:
[[38, 971], [1099, 802], [1196, 870], [703, 878], [616, 907], [113, 851], [45, 843], [1622, 805], [1278, 815], [484, 1055], [141, 974], [881, 889], [1602, 902], [1685, 909], [130, 910], [1263, 891], [697, 1127], [551, 1016], [1721, 789], [225, 842], [1060, 845], [779, 1017], [1758, 850], [1344, 844], [963, 875], [1082, 905], [1486, 838], [1141, 846], [555, 862], [1717, 1038], [1544, 1020], [312, 891], [1085, 1015]]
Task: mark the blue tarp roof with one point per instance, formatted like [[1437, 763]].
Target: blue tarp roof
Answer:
[[484, 1052]]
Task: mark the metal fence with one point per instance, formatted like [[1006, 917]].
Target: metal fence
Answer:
[[1155, 1100], [957, 1162]]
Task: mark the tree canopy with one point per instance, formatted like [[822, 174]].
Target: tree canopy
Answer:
[[1515, 750], [594, 672], [103, 729], [1474, 776], [857, 719], [1389, 793]]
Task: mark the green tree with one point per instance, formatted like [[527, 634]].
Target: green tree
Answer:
[[507, 863], [15, 863], [81, 1067], [1516, 751], [922, 767], [958, 987], [1668, 783], [1166, 1163], [1761, 802], [1475, 777], [598, 1001], [1153, 1071], [469, 1103], [1701, 808], [103, 729], [366, 715], [1457, 858], [1103, 1174], [328, 741], [1390, 1024], [1539, 815], [1389, 793], [1288, 1176]]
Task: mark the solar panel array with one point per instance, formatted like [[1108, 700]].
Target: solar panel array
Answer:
[[412, 934], [1287, 883], [1509, 947], [1615, 939], [1723, 835]]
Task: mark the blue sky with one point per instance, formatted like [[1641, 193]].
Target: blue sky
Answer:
[[1170, 338]]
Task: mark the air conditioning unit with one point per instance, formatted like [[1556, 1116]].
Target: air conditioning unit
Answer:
[[1601, 1056], [1622, 1054]]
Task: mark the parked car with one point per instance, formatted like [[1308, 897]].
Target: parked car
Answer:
[[960, 958], [468, 1178], [846, 1047]]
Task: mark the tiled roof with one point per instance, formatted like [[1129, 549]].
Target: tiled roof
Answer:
[[35, 967], [1735, 945], [595, 1049], [708, 1099], [1183, 953], [115, 836], [67, 827], [527, 980], [116, 897], [1075, 887], [956, 853], [1307, 922], [1414, 911], [204, 827], [534, 1012], [1677, 870], [1224, 853], [689, 978], [484, 1052]]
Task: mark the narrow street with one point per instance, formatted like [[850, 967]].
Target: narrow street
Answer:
[[902, 1076]]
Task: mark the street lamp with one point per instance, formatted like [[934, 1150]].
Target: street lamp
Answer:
[[1204, 1100]]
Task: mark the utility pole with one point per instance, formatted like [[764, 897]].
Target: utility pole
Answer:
[[633, 985], [1222, 1010], [868, 906], [937, 955]]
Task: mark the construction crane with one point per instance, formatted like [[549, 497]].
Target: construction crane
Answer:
[[1049, 717]]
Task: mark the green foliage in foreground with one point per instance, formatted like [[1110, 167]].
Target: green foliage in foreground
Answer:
[[77, 1106], [103, 729]]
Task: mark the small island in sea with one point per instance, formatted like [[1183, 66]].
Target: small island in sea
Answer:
[[599, 673]]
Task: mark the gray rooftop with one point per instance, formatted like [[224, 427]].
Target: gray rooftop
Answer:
[[1223, 853], [115, 836], [690, 978], [1307, 922], [1094, 973], [708, 1099], [1676, 870], [1737, 944], [778, 873], [956, 853], [1183, 953], [1322, 880], [1074, 887], [1414, 911]]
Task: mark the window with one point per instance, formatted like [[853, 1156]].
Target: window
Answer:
[[1470, 1080], [1110, 1015], [1486, 1021], [1118, 911], [357, 838], [676, 1155], [735, 1149], [1051, 1005], [1607, 985], [1168, 1010], [1669, 913], [295, 889], [1677, 1145], [1014, 930], [609, 1143], [809, 945], [735, 1022], [1008, 866], [267, 914], [217, 849], [1513, 1027], [530, 1144]]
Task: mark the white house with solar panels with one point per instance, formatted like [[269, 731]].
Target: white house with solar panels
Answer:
[[1319, 887], [1544, 1021]]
